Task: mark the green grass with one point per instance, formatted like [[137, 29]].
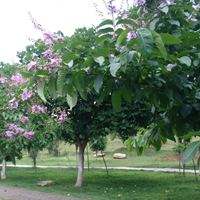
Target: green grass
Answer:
[[121, 184], [150, 158]]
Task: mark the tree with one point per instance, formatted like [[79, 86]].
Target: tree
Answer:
[[152, 57]]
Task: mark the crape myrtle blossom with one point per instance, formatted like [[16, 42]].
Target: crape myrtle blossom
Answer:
[[48, 54], [131, 35], [10, 94], [111, 55], [31, 64], [38, 109], [162, 5], [24, 120], [3, 80], [29, 134], [36, 25], [61, 119], [13, 104], [112, 8], [197, 7], [13, 130], [27, 95], [170, 65], [139, 2], [18, 80], [9, 134], [55, 62]]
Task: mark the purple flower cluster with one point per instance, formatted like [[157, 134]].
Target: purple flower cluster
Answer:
[[61, 119], [197, 7], [3, 80], [27, 95], [13, 130], [29, 134], [112, 8], [18, 80], [13, 104], [38, 109], [55, 62], [24, 120], [131, 35], [139, 2]]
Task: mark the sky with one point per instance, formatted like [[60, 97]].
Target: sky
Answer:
[[53, 15]]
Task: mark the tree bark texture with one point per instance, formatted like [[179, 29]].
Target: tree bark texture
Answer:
[[82, 146], [3, 171]]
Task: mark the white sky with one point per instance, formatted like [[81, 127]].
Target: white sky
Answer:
[[53, 15]]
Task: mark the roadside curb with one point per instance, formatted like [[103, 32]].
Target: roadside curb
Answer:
[[117, 168]]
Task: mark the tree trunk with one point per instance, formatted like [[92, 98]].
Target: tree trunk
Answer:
[[3, 171], [76, 156], [79, 181]]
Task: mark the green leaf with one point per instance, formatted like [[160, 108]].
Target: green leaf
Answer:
[[98, 82], [196, 106], [124, 57], [116, 100], [165, 9], [25, 73], [42, 73], [114, 67], [145, 42], [87, 62], [78, 43], [123, 36], [170, 39], [60, 81], [191, 151], [103, 38], [31, 81], [174, 22], [72, 99], [52, 88], [99, 60], [105, 30], [126, 21], [159, 43], [106, 22], [185, 60], [190, 134], [69, 56], [127, 94], [58, 46], [186, 109], [169, 92], [40, 90]]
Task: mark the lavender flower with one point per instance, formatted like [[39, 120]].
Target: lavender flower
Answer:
[[29, 134], [162, 5], [24, 120], [3, 80]]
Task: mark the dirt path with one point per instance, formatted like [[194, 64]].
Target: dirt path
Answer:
[[24, 194]]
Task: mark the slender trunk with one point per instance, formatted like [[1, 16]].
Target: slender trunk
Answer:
[[41, 158], [88, 159], [3, 171], [198, 162], [76, 156], [79, 181]]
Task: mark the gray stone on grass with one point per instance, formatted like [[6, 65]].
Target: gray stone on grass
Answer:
[[44, 183], [119, 156]]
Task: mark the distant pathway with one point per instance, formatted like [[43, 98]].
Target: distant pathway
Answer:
[[125, 168], [25, 194]]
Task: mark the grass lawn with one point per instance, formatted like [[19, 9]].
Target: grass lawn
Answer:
[[162, 159], [121, 184]]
